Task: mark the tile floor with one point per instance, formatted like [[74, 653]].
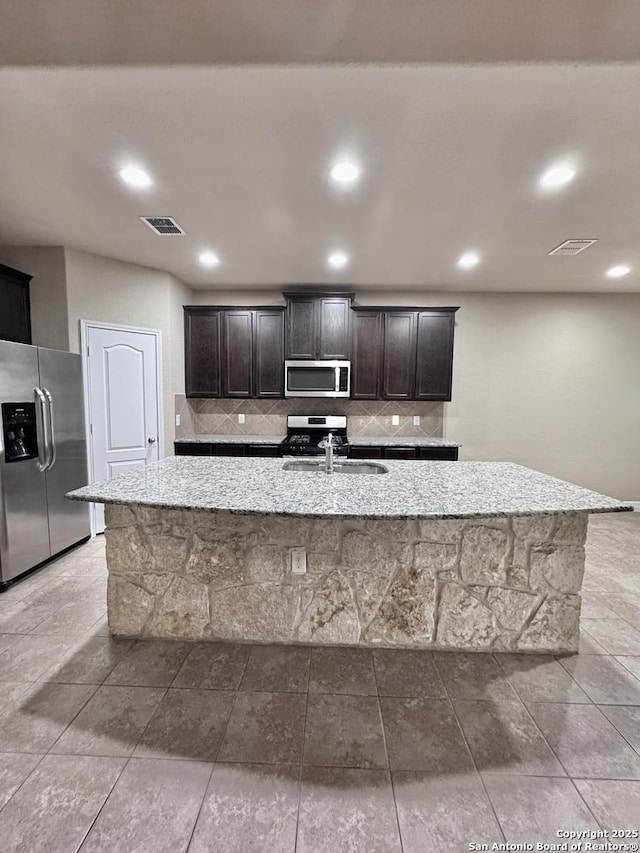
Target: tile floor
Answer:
[[159, 746]]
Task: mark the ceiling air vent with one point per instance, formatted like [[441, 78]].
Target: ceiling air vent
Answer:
[[165, 226], [572, 247]]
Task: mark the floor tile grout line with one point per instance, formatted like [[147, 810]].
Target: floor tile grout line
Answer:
[[302, 764], [100, 810], [219, 749], [75, 716], [386, 750], [611, 722], [466, 743], [28, 776]]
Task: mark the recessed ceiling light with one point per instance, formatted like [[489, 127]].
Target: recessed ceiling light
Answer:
[[345, 172], [618, 271], [558, 176], [337, 260], [209, 259], [468, 260], [135, 177]]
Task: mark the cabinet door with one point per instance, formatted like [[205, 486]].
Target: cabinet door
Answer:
[[302, 328], [399, 355], [237, 353], [268, 353], [202, 353], [15, 312], [335, 327], [435, 356], [366, 356]]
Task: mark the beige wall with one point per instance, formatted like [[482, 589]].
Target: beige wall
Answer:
[[47, 291], [551, 381], [112, 291]]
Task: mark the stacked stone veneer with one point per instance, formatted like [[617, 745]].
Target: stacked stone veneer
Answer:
[[484, 583]]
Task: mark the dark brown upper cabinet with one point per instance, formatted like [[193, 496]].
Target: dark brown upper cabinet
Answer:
[[366, 355], [434, 362], [399, 355], [318, 325], [15, 310], [268, 352], [202, 328], [237, 353], [234, 352], [402, 354]]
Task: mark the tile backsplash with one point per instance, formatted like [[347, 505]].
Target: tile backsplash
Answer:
[[269, 417]]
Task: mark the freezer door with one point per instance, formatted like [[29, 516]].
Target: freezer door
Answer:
[[24, 532], [61, 382]]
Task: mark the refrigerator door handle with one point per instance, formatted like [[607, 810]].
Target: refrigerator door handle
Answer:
[[52, 435], [43, 432]]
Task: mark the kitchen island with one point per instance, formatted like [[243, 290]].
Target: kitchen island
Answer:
[[453, 555]]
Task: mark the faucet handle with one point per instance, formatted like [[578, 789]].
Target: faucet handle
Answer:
[[328, 442]]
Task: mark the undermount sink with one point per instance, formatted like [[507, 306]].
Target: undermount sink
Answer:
[[338, 467]]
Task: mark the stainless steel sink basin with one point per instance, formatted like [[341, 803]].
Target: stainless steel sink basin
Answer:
[[310, 466]]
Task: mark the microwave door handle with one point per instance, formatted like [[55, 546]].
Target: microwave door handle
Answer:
[[42, 430], [52, 436]]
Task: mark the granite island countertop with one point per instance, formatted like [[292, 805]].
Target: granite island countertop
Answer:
[[410, 489]]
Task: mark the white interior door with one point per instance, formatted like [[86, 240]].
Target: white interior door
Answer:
[[124, 405]]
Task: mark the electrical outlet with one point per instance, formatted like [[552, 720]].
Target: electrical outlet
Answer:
[[177, 420], [416, 420], [298, 557], [395, 420], [240, 419]]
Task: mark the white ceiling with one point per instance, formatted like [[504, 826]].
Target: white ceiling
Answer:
[[450, 156]]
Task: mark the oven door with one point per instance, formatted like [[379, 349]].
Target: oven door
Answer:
[[316, 378]]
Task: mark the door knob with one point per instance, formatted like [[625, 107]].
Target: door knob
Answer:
[[151, 440]]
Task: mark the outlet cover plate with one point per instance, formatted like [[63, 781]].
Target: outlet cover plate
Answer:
[[298, 558]]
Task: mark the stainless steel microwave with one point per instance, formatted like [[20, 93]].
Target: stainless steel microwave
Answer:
[[317, 378]]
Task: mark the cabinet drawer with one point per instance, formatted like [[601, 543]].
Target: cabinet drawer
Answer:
[[229, 449], [400, 453], [186, 448], [263, 450], [361, 452], [447, 454]]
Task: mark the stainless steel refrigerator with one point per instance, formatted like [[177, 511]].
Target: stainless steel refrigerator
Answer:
[[43, 455]]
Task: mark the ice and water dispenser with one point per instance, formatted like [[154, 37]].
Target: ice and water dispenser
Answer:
[[19, 431]]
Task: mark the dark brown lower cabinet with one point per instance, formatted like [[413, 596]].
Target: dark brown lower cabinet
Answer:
[[188, 448], [377, 451], [263, 450], [400, 453], [370, 451], [365, 452]]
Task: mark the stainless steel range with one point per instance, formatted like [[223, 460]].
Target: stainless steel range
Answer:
[[305, 432]]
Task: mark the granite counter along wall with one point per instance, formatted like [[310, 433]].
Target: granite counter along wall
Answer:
[[500, 583], [371, 418]]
